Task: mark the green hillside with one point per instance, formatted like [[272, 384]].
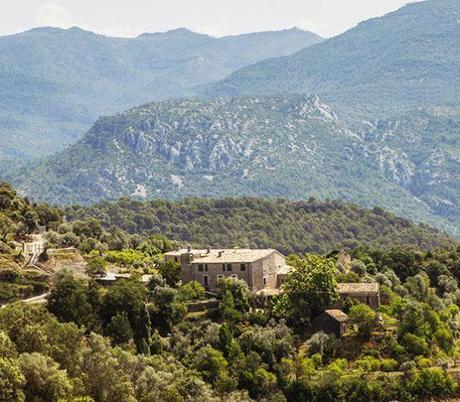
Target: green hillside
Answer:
[[406, 58], [18, 219], [291, 227]]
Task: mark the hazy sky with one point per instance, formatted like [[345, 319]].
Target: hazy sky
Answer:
[[214, 17]]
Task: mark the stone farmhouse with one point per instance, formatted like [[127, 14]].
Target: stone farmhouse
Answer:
[[260, 269]]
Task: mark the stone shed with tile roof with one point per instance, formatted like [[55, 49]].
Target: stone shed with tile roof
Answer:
[[331, 321]]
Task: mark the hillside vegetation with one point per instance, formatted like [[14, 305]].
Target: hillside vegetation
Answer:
[[248, 348], [291, 227], [19, 217], [154, 345]]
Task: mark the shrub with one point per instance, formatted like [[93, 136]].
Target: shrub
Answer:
[[388, 365], [191, 291], [424, 363], [10, 275], [415, 345], [433, 382], [368, 363], [128, 257]]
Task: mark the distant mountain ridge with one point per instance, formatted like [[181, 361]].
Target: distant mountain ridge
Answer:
[[55, 83], [407, 58]]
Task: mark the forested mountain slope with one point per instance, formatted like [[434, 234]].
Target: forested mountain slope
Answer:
[[289, 226], [290, 146], [55, 83], [406, 58]]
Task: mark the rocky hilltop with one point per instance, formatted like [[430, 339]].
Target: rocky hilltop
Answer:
[[290, 146]]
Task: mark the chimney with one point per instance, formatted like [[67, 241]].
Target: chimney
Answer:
[[189, 248], [220, 253], [208, 250]]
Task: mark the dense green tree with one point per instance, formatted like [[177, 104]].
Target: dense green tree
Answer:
[[11, 381], [308, 288], [96, 266], [143, 332], [44, 380], [226, 339], [166, 310], [214, 368], [191, 291], [156, 244], [7, 347], [119, 328], [364, 316], [171, 272], [69, 301], [104, 379], [238, 290], [433, 382], [127, 296]]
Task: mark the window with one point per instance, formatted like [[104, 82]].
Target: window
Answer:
[[368, 300], [219, 277], [265, 281], [200, 267], [229, 267], [243, 267], [235, 276], [176, 259], [205, 280], [223, 267], [206, 267]]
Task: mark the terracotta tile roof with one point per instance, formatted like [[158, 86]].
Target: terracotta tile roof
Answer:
[[337, 315], [178, 253], [358, 288], [269, 292], [225, 256]]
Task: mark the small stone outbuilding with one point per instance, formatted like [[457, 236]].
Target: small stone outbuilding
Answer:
[[331, 322]]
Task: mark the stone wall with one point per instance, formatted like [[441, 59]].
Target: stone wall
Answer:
[[214, 272]]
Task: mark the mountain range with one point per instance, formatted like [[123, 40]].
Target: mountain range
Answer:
[[383, 130], [55, 83]]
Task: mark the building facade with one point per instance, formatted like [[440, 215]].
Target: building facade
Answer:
[[260, 269], [366, 293]]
